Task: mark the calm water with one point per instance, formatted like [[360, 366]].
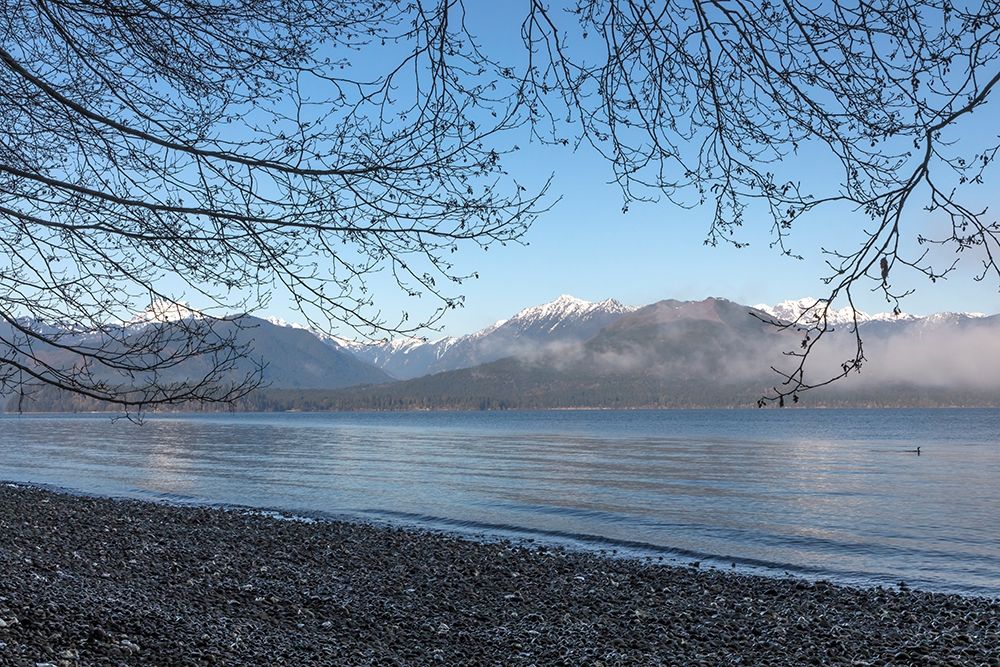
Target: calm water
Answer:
[[819, 493]]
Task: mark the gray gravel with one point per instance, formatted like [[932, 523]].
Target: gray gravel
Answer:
[[90, 581]]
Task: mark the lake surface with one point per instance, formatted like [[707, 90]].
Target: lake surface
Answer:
[[818, 493]]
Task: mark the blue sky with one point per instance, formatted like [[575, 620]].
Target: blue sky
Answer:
[[586, 246]]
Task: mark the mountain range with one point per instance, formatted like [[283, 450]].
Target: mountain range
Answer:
[[575, 353], [530, 332], [293, 358]]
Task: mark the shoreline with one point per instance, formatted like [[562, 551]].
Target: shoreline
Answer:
[[98, 581], [748, 407], [574, 543]]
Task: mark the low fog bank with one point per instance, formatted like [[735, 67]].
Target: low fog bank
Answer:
[[945, 358]]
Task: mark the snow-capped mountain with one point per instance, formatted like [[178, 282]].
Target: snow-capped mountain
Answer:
[[291, 357], [279, 322], [565, 312], [344, 344], [560, 327], [566, 320], [570, 352], [952, 317], [158, 312], [162, 311], [808, 310], [712, 353]]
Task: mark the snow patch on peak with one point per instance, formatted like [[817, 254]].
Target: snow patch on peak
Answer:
[[808, 310], [564, 311], [567, 306], [560, 307], [163, 310], [615, 306], [408, 344], [950, 316], [278, 322], [336, 341]]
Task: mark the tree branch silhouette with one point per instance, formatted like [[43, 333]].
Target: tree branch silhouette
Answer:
[[219, 150], [216, 151], [715, 102]]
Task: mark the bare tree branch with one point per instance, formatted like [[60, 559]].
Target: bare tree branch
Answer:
[[227, 149], [215, 150], [718, 101]]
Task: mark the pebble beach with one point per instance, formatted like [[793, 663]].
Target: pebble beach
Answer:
[[96, 581]]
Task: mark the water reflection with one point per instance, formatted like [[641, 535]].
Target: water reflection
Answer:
[[168, 465], [827, 491]]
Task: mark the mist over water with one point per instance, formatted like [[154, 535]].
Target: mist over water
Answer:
[[835, 494]]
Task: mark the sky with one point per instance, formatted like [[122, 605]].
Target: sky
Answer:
[[587, 247]]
